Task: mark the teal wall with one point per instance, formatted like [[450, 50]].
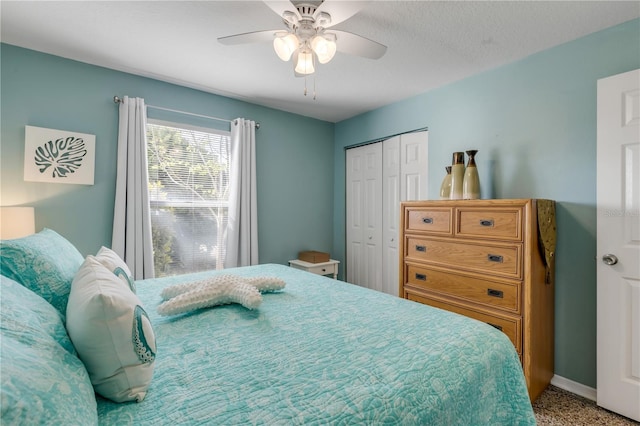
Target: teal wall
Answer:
[[294, 153], [533, 121], [534, 124]]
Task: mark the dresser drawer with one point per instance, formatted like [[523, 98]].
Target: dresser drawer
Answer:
[[492, 258], [430, 220], [496, 223], [493, 294], [511, 326]]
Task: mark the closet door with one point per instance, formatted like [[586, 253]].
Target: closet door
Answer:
[[391, 177], [405, 179], [364, 215], [378, 177], [414, 162]]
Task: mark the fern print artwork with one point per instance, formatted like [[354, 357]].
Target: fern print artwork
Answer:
[[58, 156], [61, 156]]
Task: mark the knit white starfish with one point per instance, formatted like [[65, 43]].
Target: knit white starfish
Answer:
[[217, 290]]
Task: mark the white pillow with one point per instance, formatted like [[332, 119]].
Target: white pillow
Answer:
[[111, 332], [115, 264]]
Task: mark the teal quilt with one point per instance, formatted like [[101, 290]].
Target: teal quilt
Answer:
[[321, 352]]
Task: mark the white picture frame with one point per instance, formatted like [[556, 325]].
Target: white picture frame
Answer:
[[58, 156]]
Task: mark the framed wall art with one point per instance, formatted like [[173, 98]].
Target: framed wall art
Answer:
[[58, 156]]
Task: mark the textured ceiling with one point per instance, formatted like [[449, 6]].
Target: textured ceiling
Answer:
[[430, 44]]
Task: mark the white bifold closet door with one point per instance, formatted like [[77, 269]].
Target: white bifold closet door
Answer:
[[378, 177]]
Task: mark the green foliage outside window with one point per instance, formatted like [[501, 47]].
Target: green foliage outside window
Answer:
[[188, 187]]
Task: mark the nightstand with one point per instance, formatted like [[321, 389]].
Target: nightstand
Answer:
[[324, 268]]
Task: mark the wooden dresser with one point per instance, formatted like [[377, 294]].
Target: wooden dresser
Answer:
[[492, 260]]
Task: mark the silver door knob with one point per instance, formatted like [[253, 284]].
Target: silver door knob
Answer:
[[610, 259]]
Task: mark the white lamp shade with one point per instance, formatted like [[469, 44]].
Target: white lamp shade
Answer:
[[324, 48], [304, 63], [16, 222], [285, 46]]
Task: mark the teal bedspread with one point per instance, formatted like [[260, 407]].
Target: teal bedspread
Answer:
[[324, 352]]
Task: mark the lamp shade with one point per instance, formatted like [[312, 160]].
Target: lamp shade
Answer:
[[325, 48], [16, 222], [304, 63], [285, 45]]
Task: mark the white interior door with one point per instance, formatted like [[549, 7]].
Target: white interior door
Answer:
[[414, 162], [364, 215], [378, 177], [618, 235], [390, 219]]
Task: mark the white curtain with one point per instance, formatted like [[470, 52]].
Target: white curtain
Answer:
[[132, 217], [242, 227]]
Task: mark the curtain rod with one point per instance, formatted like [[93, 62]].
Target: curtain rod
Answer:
[[118, 100]]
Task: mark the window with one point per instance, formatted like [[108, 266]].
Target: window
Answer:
[[189, 196]]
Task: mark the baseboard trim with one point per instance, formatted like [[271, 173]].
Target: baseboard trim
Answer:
[[574, 387]]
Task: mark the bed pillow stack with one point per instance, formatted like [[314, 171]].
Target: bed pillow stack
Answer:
[[105, 320], [110, 329]]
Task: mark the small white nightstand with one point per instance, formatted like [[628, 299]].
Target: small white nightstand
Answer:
[[324, 268]]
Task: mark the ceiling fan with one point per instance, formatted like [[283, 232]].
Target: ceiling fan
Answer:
[[306, 38]]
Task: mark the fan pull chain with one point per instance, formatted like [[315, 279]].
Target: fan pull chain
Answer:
[[314, 86]]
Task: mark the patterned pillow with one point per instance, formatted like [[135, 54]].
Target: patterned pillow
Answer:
[[44, 263], [115, 264], [111, 332], [42, 379]]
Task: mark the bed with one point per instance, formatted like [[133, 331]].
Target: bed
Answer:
[[319, 351]]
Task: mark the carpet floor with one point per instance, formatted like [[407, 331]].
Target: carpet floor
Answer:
[[559, 407]]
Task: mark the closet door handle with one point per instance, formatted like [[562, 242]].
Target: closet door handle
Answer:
[[421, 277], [494, 258], [495, 293], [421, 248], [486, 222], [495, 326], [427, 220]]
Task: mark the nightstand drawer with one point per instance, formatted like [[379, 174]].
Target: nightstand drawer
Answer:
[[496, 223], [491, 293], [511, 326], [324, 268], [431, 220], [496, 258]]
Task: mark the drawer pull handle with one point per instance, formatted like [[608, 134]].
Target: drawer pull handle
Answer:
[[486, 222], [421, 248], [494, 293], [495, 326], [427, 220], [421, 277], [494, 258]]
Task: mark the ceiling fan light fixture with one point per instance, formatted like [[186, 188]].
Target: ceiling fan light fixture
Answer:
[[324, 46], [285, 45], [304, 62]]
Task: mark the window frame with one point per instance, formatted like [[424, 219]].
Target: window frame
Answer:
[[194, 203]]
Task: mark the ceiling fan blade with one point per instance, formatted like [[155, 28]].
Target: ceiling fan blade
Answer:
[[282, 6], [252, 37], [354, 44], [340, 10]]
